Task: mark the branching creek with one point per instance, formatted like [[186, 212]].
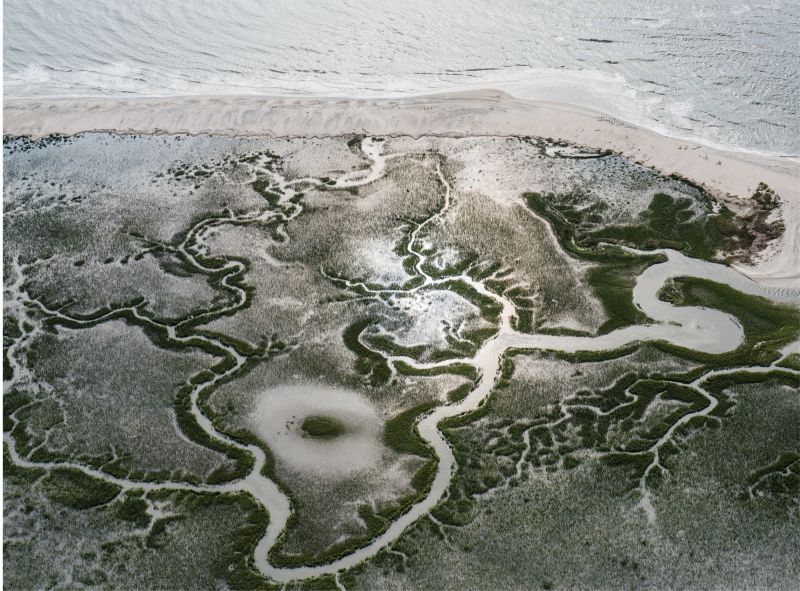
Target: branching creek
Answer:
[[699, 329]]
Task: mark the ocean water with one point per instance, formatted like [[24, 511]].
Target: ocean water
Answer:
[[722, 71]]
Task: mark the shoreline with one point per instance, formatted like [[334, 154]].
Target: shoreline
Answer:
[[730, 175], [502, 90]]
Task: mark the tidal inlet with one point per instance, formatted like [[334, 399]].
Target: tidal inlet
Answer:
[[438, 313]]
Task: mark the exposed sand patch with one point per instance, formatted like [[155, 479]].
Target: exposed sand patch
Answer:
[[429, 313], [278, 418], [381, 262]]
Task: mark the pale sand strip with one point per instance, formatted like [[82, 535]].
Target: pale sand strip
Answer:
[[486, 112]]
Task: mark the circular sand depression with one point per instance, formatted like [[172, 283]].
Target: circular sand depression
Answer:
[[280, 413]]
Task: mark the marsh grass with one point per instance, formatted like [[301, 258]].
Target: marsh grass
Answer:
[[322, 427], [75, 489]]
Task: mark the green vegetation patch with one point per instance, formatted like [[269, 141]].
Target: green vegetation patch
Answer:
[[322, 427], [400, 432], [386, 343], [263, 187], [460, 369], [791, 361], [614, 276], [73, 488], [683, 224], [15, 474], [370, 364], [613, 285], [671, 222], [133, 508]]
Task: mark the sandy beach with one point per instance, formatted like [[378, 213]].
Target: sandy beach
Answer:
[[727, 174]]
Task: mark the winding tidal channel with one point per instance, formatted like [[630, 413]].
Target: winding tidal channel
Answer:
[[700, 329]]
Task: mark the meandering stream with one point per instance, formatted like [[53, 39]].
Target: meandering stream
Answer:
[[699, 329]]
